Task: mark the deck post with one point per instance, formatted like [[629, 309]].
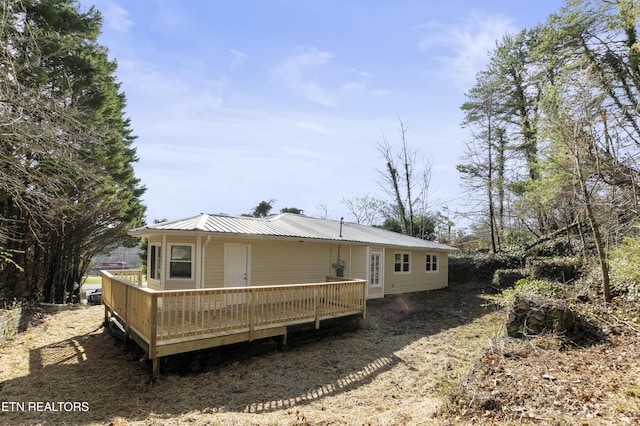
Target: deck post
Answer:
[[127, 318], [316, 305], [252, 313], [155, 370], [153, 333], [110, 299], [364, 299]]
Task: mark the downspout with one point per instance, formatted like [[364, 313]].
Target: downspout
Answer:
[[202, 265]]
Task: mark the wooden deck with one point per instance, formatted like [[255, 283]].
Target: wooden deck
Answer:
[[175, 321]]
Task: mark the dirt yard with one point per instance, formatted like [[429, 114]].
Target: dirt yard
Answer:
[[401, 367]]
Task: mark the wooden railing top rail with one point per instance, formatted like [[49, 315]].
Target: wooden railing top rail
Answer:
[[251, 287], [121, 274], [226, 289]]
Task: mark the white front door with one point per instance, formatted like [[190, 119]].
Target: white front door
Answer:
[[236, 265], [375, 270]]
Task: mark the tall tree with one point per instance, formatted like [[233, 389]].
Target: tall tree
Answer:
[[502, 109], [594, 112], [483, 168], [263, 209], [406, 184], [603, 36], [572, 113], [64, 125]]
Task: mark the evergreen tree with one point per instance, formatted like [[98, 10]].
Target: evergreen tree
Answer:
[[64, 127]]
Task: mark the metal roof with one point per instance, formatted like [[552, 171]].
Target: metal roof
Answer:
[[290, 225]]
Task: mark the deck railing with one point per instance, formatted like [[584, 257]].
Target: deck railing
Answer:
[[173, 317], [133, 276]]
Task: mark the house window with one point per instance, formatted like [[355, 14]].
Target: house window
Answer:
[[155, 266], [402, 262], [180, 264], [375, 270], [432, 263]]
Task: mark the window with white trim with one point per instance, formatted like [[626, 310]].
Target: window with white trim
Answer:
[[402, 263], [431, 263], [375, 270], [180, 261], [155, 266]]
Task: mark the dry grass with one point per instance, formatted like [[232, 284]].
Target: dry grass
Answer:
[[391, 371], [424, 358], [549, 379]]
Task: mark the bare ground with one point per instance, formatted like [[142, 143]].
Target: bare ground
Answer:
[[422, 358]]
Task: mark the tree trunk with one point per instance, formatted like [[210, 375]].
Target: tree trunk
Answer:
[[595, 228]]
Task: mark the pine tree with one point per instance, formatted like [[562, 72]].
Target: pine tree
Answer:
[[78, 194]]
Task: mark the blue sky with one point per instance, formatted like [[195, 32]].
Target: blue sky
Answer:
[[235, 102]]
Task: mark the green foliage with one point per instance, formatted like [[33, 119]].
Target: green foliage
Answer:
[[625, 266], [6, 259], [144, 249], [536, 287], [144, 252], [561, 269], [293, 210], [423, 226], [508, 277], [480, 267], [63, 108], [263, 209]]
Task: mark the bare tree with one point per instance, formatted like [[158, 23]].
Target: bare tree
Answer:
[[407, 186], [323, 211], [367, 210]]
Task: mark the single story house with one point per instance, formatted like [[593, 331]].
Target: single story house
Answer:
[[215, 250]]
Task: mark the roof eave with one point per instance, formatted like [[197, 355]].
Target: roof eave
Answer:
[[147, 232]]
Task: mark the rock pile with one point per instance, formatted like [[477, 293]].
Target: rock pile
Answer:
[[529, 315]]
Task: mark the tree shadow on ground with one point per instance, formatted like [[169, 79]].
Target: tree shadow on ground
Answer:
[[113, 382]]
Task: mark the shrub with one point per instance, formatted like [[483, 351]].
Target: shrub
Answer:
[[624, 261], [542, 288], [508, 277], [481, 266], [561, 269], [461, 268], [556, 247]]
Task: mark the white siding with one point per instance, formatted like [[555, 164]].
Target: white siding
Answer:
[[294, 261], [418, 279]]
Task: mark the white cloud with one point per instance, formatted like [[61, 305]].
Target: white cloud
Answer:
[[314, 75], [117, 17], [381, 92], [238, 57], [313, 126], [463, 49], [178, 91], [294, 71], [352, 86]]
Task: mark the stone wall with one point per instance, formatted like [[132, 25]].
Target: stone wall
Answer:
[[530, 315]]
